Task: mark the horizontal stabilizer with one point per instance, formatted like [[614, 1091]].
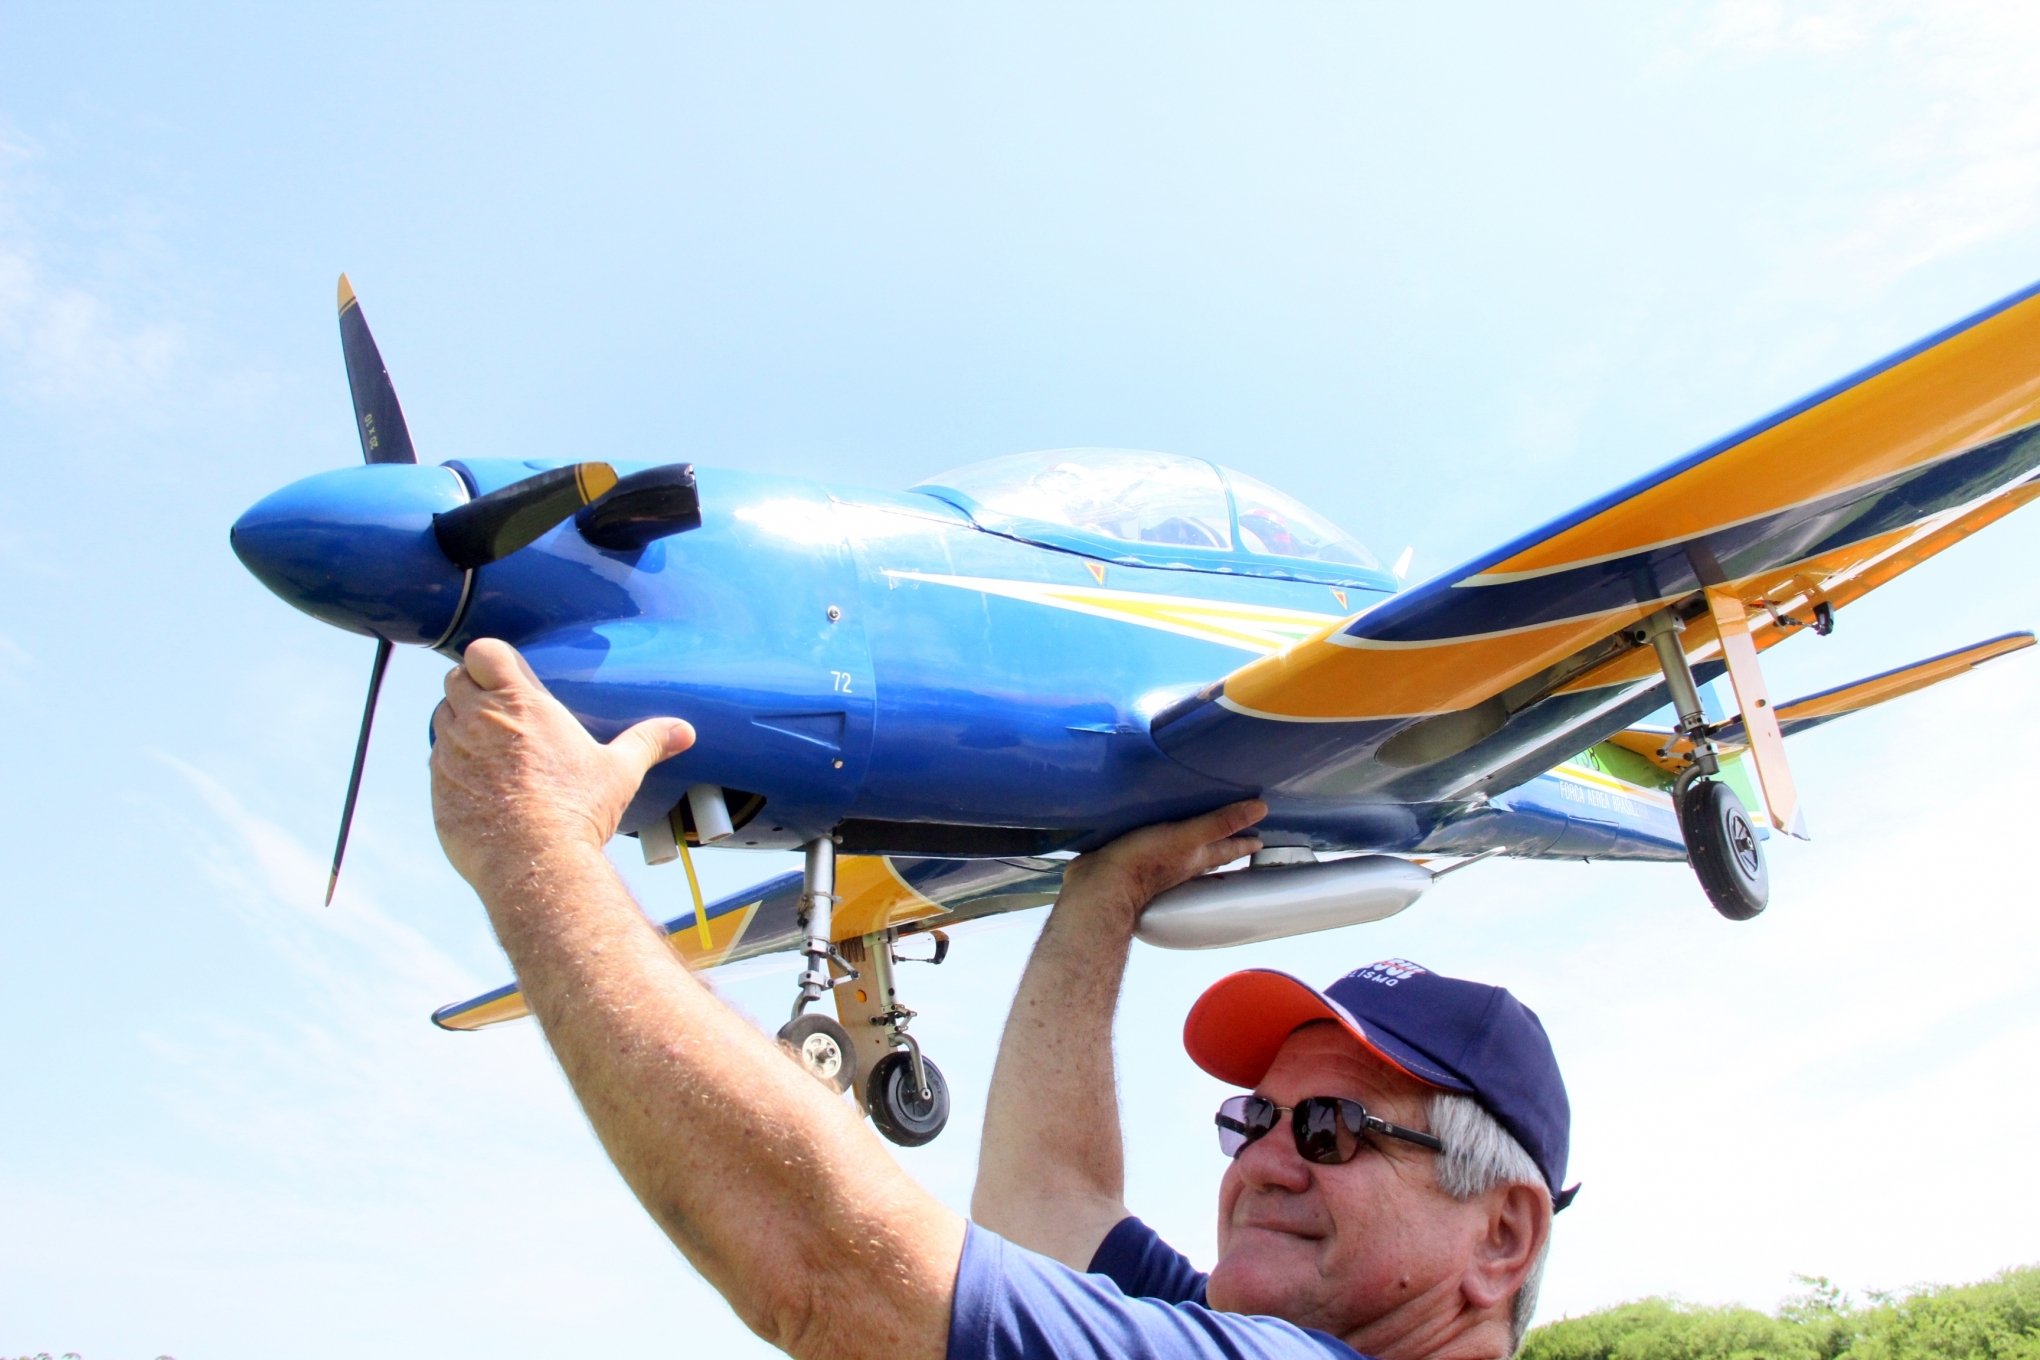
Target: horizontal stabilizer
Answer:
[[1814, 709], [1670, 751]]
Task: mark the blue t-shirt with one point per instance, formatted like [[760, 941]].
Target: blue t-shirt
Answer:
[[1140, 1298]]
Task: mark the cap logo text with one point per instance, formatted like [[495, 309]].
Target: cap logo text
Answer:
[[1388, 972]]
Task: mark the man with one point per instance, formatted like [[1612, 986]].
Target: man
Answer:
[[1407, 1213], [786, 1202]]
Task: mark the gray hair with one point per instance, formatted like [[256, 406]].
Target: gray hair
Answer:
[[1479, 1155]]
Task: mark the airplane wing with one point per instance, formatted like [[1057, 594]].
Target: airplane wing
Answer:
[[874, 892], [1668, 750], [1490, 673]]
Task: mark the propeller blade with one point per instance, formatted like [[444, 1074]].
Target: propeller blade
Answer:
[[383, 648], [498, 524], [377, 417]]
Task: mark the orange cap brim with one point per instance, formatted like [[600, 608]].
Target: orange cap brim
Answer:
[[1241, 1022]]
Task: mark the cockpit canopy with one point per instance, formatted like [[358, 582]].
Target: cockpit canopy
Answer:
[[1157, 509]]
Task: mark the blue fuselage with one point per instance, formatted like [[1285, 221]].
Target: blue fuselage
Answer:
[[878, 664]]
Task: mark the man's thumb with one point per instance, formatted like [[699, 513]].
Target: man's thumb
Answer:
[[654, 740]]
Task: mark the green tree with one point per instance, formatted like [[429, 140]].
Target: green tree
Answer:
[[1998, 1319]]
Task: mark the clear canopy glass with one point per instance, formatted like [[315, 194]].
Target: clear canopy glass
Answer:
[[1162, 499]]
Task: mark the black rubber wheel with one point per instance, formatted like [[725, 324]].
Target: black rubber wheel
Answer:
[[821, 1046], [896, 1104], [1722, 845]]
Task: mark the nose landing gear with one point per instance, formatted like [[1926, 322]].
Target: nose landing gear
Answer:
[[820, 1044], [904, 1093]]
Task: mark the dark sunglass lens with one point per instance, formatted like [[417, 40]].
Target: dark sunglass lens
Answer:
[[1242, 1119], [1321, 1135]]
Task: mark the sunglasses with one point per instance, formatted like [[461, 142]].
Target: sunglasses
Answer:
[[1329, 1130]]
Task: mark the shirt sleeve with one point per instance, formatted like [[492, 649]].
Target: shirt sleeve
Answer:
[[1134, 1257], [1012, 1304]]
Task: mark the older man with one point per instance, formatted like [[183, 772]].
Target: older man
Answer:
[[1394, 1172], [785, 1201]]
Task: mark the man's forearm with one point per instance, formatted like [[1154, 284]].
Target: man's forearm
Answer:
[[1051, 1170], [772, 1187], [1051, 1166]]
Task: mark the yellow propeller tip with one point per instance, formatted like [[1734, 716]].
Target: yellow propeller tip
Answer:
[[593, 481], [346, 293]]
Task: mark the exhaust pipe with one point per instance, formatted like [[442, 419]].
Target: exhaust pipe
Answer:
[[1272, 902]]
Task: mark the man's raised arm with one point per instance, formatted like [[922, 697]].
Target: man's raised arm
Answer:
[[1051, 1168], [769, 1183]]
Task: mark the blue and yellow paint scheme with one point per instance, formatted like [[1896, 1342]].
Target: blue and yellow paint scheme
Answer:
[[1031, 656]]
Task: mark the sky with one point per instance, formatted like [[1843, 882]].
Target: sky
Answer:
[[1445, 272]]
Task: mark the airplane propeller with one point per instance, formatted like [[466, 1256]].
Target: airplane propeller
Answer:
[[471, 535], [385, 438], [350, 547]]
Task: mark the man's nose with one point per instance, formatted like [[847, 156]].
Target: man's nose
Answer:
[[1271, 1162]]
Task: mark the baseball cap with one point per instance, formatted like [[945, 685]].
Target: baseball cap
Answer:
[[1445, 1032]]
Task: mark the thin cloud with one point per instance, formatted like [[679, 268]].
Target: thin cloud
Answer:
[[1964, 157], [15, 661], [87, 337]]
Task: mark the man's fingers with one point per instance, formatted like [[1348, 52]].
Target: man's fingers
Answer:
[[459, 685], [653, 740], [492, 664], [1233, 818]]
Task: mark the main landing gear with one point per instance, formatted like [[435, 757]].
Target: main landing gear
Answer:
[[903, 1091], [1721, 841]]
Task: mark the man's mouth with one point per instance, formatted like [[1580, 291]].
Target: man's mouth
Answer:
[[1308, 1231]]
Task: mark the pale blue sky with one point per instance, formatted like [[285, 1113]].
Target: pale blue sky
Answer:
[[1443, 276]]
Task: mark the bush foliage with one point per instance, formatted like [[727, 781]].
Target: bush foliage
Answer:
[[1996, 1320]]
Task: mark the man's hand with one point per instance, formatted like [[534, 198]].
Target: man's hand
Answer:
[[514, 774], [1131, 872]]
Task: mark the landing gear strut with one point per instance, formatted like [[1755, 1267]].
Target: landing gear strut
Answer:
[[903, 1092], [1721, 842], [821, 1044]]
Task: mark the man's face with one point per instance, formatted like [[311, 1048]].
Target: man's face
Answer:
[[1371, 1248]]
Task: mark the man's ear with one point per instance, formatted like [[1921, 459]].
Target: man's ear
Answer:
[[1518, 1224]]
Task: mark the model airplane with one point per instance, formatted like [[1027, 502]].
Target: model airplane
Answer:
[[936, 692]]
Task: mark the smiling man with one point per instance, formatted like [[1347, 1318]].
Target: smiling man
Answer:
[[1343, 1226], [1393, 1174]]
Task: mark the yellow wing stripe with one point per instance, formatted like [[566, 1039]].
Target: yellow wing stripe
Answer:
[[507, 1007], [1348, 679], [1596, 779], [872, 896], [1968, 389], [726, 932], [1837, 579], [1251, 627]]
